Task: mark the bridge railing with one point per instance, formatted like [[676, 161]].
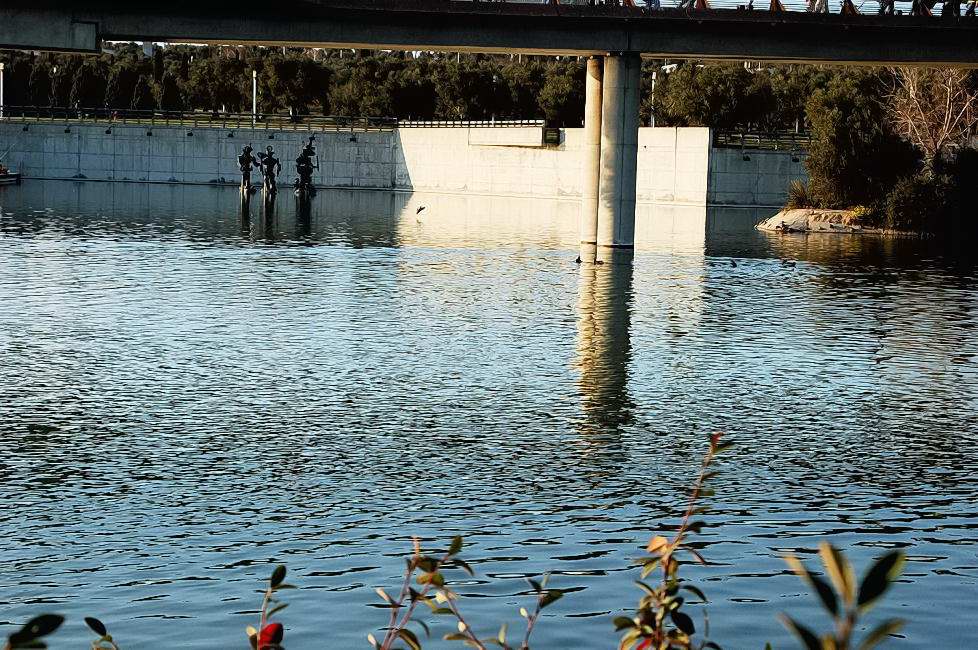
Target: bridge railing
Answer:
[[231, 121], [773, 141], [193, 119], [402, 124]]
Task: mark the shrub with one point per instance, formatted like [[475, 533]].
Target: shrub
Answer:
[[798, 196], [916, 204]]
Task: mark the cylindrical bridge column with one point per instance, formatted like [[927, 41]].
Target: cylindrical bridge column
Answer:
[[591, 158], [621, 92]]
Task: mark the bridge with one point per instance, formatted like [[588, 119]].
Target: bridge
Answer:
[[613, 37]]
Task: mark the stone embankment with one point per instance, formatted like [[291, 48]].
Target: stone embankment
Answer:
[[816, 220], [805, 220]]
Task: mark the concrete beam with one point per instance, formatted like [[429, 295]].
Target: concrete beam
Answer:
[[47, 29], [501, 27]]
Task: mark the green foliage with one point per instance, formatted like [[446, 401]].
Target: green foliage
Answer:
[[845, 599], [32, 632], [659, 622], [917, 203], [561, 97], [854, 157], [798, 196], [104, 640]]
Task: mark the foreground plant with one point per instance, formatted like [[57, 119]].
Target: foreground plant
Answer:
[[659, 622], [846, 600], [269, 635], [30, 635], [104, 640], [437, 596]]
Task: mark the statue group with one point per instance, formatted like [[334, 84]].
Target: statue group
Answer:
[[270, 168]]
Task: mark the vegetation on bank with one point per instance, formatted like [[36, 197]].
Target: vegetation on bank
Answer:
[[895, 146], [662, 619]]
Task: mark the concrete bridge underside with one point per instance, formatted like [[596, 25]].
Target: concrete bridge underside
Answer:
[[496, 27]]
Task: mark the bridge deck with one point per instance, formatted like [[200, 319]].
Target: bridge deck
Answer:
[[500, 27]]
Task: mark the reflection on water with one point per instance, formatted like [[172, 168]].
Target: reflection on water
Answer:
[[191, 393], [604, 348]]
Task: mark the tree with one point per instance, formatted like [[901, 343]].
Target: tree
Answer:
[[121, 83], [39, 84], [89, 84], [142, 94], [854, 158], [562, 95], [932, 109]]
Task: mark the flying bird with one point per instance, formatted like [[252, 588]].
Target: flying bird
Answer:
[[419, 210]]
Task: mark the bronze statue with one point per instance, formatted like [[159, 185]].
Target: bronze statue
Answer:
[[245, 162], [270, 166], [304, 167]]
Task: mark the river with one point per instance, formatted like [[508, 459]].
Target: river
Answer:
[[189, 398]]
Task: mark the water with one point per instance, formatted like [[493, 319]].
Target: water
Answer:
[[188, 399]]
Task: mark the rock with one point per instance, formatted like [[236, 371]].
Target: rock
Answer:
[[812, 220]]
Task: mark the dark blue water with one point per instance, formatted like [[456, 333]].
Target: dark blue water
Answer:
[[188, 398]]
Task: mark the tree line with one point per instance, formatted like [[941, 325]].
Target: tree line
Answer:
[[403, 85]]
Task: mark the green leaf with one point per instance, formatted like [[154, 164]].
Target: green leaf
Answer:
[[646, 588], [424, 626], [822, 589], [442, 611], [552, 596], [880, 632], [536, 585], [465, 566], [806, 636], [501, 637], [409, 638], [36, 628], [96, 625], [839, 570], [696, 591], [879, 577], [455, 636], [278, 575], [696, 526], [456, 545], [427, 564], [682, 621], [277, 609], [623, 622]]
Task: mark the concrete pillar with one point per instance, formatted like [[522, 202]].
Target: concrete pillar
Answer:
[[591, 158], [621, 92]]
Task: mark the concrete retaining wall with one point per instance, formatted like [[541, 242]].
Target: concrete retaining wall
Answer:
[[753, 177], [675, 166]]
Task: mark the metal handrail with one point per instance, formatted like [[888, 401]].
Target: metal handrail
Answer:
[[769, 140], [237, 121]]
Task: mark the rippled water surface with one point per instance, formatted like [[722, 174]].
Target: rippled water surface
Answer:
[[187, 398]]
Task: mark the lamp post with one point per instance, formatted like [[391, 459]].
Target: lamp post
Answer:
[[254, 97], [1, 90]]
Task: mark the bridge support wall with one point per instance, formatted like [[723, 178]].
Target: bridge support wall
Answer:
[[619, 151], [591, 158]]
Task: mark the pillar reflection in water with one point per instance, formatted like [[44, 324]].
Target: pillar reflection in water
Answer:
[[604, 348]]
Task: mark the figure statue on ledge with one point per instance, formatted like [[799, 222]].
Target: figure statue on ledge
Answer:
[[304, 167], [270, 167], [245, 161]]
